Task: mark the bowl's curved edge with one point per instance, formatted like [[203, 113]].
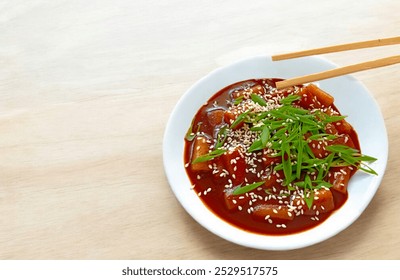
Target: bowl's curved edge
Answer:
[[168, 149]]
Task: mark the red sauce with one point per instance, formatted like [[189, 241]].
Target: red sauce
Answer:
[[239, 210]]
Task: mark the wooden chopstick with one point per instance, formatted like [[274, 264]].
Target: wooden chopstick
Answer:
[[339, 71], [339, 48]]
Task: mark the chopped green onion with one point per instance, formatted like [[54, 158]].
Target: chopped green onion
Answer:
[[255, 146], [239, 119], [190, 135], [287, 130], [238, 100], [258, 99], [265, 134], [284, 130], [247, 188], [209, 156], [352, 157], [322, 136], [309, 198], [290, 99], [221, 137]]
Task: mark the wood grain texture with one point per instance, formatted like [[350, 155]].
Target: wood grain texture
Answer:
[[86, 89]]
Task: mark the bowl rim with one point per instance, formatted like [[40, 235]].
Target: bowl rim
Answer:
[[229, 232]]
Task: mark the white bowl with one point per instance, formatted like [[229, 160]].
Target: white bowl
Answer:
[[351, 98]]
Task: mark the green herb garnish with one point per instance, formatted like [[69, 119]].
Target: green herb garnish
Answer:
[[258, 99], [287, 130], [218, 151], [346, 156], [239, 119], [309, 186], [221, 137], [247, 188], [238, 100], [190, 135], [288, 100], [211, 155]]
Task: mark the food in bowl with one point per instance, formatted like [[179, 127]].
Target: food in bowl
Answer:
[[270, 161]]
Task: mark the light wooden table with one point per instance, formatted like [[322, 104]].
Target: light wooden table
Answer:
[[86, 88]]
